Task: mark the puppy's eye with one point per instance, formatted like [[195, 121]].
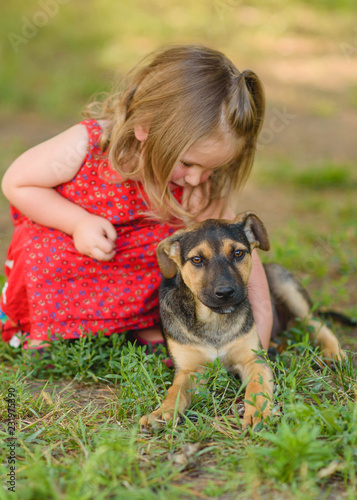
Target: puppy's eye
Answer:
[[239, 254], [196, 260]]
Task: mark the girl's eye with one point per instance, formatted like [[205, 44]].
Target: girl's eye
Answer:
[[239, 254], [196, 260], [185, 164]]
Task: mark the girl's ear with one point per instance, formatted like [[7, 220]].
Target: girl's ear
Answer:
[[141, 133]]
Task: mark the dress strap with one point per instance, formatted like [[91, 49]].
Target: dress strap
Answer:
[[94, 131]]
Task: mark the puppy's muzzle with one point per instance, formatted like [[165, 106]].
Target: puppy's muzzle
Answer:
[[223, 298], [224, 292]]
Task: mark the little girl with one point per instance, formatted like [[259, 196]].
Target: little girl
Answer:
[[90, 205]]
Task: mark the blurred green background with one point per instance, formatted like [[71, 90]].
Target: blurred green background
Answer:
[[56, 54]]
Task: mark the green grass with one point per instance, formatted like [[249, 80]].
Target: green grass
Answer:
[[95, 450], [315, 177], [318, 243], [77, 422]]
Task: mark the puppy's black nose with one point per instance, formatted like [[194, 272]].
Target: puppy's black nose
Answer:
[[224, 291]]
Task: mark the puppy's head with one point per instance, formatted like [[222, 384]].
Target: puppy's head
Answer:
[[214, 258]]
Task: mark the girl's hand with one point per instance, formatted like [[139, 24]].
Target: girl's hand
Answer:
[[95, 236]]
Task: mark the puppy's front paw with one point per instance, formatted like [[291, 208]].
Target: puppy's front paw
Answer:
[[334, 356], [252, 417], [155, 421]]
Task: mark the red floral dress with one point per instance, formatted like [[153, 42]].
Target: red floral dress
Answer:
[[52, 288]]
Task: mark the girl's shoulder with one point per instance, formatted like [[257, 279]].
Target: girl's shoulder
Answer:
[[52, 162], [102, 123], [94, 129]]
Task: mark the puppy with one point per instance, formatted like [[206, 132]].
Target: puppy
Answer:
[[206, 313]]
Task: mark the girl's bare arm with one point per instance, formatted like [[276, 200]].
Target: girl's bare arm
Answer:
[[259, 297], [28, 184]]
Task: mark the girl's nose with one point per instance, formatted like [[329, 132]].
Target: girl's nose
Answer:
[[194, 176]]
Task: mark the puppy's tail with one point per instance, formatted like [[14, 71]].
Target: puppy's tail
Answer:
[[338, 317], [291, 299]]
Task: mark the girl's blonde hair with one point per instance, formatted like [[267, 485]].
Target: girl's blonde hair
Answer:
[[181, 95]]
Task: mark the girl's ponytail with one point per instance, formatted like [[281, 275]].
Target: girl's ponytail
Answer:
[[246, 105], [256, 91]]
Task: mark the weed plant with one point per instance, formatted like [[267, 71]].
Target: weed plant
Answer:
[[71, 450]]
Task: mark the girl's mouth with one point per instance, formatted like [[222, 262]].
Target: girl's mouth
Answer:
[[173, 185]]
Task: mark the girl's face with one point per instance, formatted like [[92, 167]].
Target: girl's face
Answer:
[[199, 161]]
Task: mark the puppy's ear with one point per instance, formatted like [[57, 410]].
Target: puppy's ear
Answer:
[[168, 256], [254, 230]]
